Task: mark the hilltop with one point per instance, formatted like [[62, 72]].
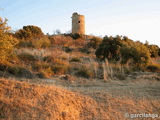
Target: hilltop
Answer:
[[74, 76]]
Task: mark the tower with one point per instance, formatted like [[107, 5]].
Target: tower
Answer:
[[78, 23]]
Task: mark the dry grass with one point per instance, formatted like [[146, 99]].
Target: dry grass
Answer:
[[68, 41], [22, 101], [117, 98]]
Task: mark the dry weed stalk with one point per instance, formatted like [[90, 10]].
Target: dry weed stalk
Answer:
[[95, 66], [105, 74]]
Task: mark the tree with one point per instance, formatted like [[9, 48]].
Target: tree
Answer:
[[7, 42], [29, 32], [153, 49], [140, 54], [122, 48], [125, 54], [94, 42], [109, 48]]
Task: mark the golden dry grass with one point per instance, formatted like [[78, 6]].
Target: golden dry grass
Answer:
[[23, 101]]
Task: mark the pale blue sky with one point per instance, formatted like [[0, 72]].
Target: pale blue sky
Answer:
[[137, 19]]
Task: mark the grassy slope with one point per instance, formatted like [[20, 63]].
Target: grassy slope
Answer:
[[23, 101]]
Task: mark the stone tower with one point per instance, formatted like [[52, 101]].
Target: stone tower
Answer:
[[78, 23]]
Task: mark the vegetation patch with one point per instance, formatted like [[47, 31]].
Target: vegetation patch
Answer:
[[22, 101], [49, 59], [154, 68], [60, 69], [20, 71], [26, 57], [84, 72], [75, 59]]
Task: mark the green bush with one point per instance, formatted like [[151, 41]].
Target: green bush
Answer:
[[153, 68], [94, 42], [3, 67], [26, 57], [109, 48], [29, 32], [124, 50], [68, 49], [41, 75], [76, 36], [20, 71]]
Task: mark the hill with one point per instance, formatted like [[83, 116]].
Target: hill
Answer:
[[23, 101], [100, 78]]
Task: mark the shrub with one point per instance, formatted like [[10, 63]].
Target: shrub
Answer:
[[85, 50], [153, 68], [64, 58], [47, 72], [153, 49], [84, 72], [140, 55], [44, 68], [60, 69], [49, 59], [41, 75], [29, 32], [24, 44], [116, 49], [68, 49], [41, 65], [26, 57], [58, 66], [3, 67], [94, 42], [109, 48], [80, 42], [67, 41], [60, 40], [75, 59], [61, 62], [42, 42], [20, 71], [76, 36], [7, 42]]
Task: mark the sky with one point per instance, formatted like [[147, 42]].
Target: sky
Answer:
[[136, 19]]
